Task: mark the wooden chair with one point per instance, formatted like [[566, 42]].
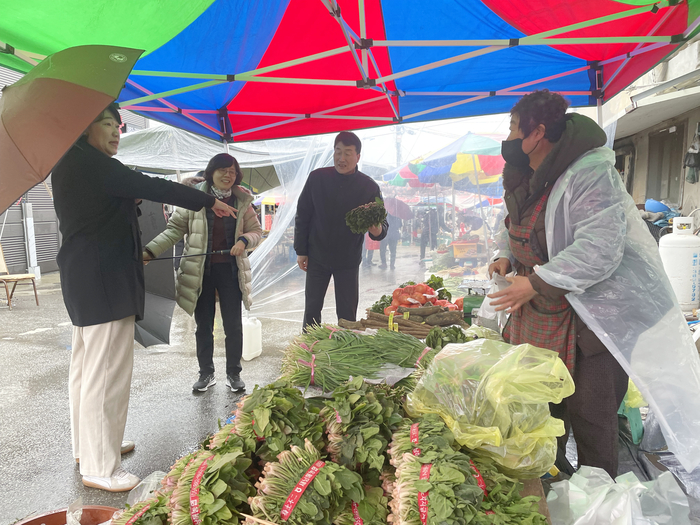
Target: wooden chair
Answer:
[[23, 278]]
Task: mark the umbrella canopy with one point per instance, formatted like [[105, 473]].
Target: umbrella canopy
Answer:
[[44, 113], [398, 208]]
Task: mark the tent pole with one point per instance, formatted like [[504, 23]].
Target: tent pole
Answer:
[[481, 209], [600, 112], [454, 213]]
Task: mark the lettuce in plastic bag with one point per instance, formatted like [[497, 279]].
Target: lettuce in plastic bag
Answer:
[[495, 398]]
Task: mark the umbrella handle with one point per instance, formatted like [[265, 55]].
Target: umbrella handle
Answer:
[[217, 252]]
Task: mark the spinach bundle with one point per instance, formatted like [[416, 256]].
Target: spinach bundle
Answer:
[[359, 421], [372, 510], [153, 511], [423, 435], [435, 489], [362, 218], [213, 489], [274, 417], [300, 489], [170, 480], [502, 503]]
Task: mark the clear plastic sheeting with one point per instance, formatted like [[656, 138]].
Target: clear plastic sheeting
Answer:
[[442, 213], [600, 249], [274, 261], [495, 398], [592, 497]]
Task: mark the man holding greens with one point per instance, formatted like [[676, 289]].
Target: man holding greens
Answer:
[[324, 244]]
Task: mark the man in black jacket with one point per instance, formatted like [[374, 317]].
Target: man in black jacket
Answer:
[[324, 244]]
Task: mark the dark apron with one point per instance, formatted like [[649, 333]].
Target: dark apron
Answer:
[[545, 323]]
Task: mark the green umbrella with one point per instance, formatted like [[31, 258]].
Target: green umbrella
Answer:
[[47, 110]]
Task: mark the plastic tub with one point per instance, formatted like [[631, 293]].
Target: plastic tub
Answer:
[[92, 515]]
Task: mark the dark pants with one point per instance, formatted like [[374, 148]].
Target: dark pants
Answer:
[[391, 244], [223, 277], [591, 412], [346, 281], [426, 238]]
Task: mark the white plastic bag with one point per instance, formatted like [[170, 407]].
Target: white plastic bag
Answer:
[[146, 488], [488, 316], [591, 497]]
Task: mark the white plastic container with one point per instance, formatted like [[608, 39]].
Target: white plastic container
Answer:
[[252, 338], [680, 254]]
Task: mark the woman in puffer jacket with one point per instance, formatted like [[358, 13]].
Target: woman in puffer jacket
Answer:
[[200, 278]]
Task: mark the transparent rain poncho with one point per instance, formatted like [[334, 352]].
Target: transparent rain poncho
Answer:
[[600, 250]]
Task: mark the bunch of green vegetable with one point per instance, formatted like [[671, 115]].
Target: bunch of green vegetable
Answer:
[[213, 489], [420, 436], [327, 356], [274, 417], [360, 420], [438, 284], [323, 498], [481, 332], [502, 503], [439, 337], [441, 487], [153, 511], [362, 218], [398, 348], [379, 306], [373, 510]]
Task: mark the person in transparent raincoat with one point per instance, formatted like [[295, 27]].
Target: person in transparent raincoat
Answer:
[[600, 258]]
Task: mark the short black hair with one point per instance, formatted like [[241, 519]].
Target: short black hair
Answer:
[[113, 108], [222, 160], [542, 107], [348, 138]]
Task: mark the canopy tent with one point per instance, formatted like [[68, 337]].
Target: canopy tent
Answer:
[[167, 150], [277, 68]]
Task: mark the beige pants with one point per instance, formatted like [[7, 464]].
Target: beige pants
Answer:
[[99, 385]]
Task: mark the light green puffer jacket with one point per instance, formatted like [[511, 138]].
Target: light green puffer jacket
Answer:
[[193, 226]]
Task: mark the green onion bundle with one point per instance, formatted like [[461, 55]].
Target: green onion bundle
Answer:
[[362, 218], [373, 510], [324, 496], [442, 488], [327, 356], [420, 436], [274, 417], [217, 485], [398, 348], [360, 420], [153, 511]]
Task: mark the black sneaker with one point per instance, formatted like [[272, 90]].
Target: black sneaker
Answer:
[[205, 381], [235, 383]]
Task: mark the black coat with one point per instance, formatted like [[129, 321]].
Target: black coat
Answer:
[[100, 260], [320, 230]]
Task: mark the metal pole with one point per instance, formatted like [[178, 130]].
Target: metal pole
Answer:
[[454, 213], [481, 209]]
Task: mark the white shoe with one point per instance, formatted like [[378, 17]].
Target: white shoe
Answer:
[[127, 446], [120, 481]]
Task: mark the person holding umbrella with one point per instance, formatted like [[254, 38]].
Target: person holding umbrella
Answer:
[[102, 281], [199, 279]]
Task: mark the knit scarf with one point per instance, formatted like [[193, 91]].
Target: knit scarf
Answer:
[[221, 194]]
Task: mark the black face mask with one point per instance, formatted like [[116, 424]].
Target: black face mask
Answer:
[[512, 152]]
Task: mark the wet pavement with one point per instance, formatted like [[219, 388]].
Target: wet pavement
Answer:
[[166, 420]]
